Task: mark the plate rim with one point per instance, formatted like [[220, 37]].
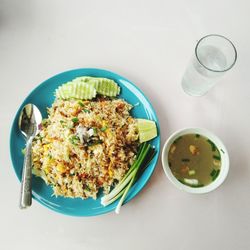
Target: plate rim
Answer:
[[144, 182]]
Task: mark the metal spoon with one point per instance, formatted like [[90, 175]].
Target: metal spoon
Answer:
[[29, 120]]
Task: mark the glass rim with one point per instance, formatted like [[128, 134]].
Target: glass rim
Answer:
[[216, 35]]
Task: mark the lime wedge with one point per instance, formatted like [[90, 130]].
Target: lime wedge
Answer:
[[147, 130]]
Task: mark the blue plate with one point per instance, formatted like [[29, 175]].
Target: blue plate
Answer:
[[43, 96]]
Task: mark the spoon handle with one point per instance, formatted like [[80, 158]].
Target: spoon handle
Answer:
[[26, 192]]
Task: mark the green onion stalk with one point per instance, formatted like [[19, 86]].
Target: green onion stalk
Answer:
[[145, 154]]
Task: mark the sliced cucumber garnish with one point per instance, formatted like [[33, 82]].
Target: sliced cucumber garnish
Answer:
[[103, 86], [78, 90], [87, 87], [147, 130], [107, 87]]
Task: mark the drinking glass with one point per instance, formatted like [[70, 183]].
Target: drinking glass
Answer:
[[214, 56]]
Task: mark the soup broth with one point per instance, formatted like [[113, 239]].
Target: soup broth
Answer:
[[194, 160]]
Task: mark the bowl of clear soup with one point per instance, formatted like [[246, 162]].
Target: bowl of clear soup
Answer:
[[195, 160]]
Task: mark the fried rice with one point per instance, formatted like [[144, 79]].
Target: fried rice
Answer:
[[85, 146]]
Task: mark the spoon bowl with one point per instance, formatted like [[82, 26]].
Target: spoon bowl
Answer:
[[29, 121]]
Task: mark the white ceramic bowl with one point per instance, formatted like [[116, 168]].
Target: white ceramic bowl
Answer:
[[224, 161]]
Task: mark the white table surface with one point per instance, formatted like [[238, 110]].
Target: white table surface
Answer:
[[148, 42]]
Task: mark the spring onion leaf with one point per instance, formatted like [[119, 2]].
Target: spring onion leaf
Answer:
[[213, 172], [145, 154], [216, 175], [81, 104], [103, 129], [212, 145], [75, 119], [118, 208], [217, 157], [74, 140]]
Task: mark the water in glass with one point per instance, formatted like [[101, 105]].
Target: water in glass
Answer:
[[198, 79]]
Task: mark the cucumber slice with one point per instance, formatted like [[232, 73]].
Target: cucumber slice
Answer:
[[76, 89], [103, 86], [64, 91], [107, 87], [147, 130], [86, 87]]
